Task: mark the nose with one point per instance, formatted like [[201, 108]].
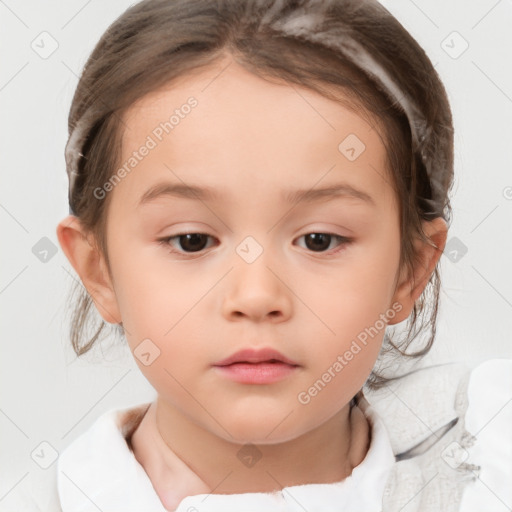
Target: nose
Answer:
[[257, 292]]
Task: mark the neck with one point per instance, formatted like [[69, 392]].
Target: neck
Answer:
[[181, 458]]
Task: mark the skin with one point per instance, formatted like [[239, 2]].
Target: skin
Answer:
[[251, 140]]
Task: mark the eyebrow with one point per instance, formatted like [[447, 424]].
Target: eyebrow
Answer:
[[341, 190], [181, 190], [178, 190]]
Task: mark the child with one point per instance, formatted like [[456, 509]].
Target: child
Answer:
[[262, 128]]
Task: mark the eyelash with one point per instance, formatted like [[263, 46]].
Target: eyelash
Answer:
[[166, 242]]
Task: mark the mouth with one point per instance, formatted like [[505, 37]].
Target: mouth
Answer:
[[253, 356], [249, 366]]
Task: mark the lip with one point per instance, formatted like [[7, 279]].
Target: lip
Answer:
[[251, 355], [250, 366]]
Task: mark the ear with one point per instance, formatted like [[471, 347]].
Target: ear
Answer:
[[410, 287], [85, 257]]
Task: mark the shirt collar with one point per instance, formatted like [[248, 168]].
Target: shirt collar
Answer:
[[99, 471]]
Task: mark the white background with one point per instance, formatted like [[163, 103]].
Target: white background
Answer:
[[47, 393]]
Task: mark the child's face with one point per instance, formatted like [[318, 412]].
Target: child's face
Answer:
[[253, 143]]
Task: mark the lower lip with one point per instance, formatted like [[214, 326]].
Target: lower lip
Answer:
[[256, 373]]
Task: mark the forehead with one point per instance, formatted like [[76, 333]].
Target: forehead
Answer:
[[244, 130]]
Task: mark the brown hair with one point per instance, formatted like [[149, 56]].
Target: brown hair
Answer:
[[353, 47]]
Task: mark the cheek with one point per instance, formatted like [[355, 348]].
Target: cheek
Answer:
[[354, 295], [152, 295], [338, 374], [354, 304], [162, 310]]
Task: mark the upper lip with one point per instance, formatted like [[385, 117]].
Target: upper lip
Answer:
[[251, 355]]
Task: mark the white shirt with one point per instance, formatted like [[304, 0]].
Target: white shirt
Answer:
[[98, 471]]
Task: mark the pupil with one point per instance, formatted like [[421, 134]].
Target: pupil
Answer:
[[320, 241], [191, 240]]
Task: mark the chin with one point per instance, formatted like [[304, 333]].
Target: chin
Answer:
[[260, 427]]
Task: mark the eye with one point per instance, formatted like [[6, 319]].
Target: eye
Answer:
[[319, 242], [188, 242]]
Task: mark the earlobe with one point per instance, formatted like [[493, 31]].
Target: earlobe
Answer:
[[410, 287], [89, 264]]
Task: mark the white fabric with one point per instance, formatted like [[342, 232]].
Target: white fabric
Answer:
[[489, 419], [417, 405], [98, 471]]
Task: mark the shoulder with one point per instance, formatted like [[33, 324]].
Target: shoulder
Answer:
[[98, 453], [420, 403], [37, 492], [435, 418], [489, 419], [99, 469]]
